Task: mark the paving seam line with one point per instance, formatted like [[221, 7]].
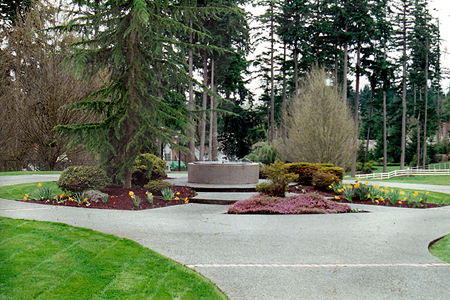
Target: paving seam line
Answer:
[[316, 265]]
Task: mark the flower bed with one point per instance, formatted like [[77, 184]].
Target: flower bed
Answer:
[[310, 203]]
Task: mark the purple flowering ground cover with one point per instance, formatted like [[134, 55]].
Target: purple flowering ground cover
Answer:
[[310, 203]]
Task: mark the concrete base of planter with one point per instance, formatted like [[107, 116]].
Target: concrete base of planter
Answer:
[[223, 173]]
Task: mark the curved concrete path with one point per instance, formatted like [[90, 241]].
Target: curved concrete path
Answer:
[[378, 255]]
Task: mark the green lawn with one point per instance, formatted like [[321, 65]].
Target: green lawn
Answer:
[[43, 260], [441, 249], [18, 191], [436, 180], [13, 173]]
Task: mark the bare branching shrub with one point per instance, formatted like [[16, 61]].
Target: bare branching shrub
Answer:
[[320, 127], [35, 84]]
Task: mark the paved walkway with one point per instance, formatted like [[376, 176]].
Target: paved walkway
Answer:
[[378, 255]]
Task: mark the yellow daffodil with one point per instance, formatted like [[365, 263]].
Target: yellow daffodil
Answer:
[[178, 194], [336, 197], [356, 185], [24, 198], [376, 201], [186, 200], [386, 187], [131, 193], [85, 199], [415, 194], [367, 183], [399, 202], [330, 187], [344, 187], [427, 193], [392, 190], [421, 199], [405, 199], [402, 193], [39, 184], [377, 186], [357, 179], [368, 196], [382, 199], [62, 195], [70, 199], [339, 191], [176, 198]]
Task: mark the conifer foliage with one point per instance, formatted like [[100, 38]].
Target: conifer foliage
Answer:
[[138, 41]]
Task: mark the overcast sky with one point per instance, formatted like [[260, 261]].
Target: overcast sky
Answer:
[[441, 9]]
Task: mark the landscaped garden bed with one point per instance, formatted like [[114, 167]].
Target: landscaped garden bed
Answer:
[[122, 199]]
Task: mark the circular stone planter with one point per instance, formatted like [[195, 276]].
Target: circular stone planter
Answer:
[[223, 173]]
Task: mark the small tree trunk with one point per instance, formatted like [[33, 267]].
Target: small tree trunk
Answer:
[[403, 141]]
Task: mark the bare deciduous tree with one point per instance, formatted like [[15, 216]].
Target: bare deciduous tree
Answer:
[[36, 86], [320, 126]]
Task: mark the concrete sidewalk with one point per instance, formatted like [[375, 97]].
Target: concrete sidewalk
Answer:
[[378, 255]]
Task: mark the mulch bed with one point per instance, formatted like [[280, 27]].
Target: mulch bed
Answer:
[[120, 199], [310, 189]]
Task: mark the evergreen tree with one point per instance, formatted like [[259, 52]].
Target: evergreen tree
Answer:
[[139, 41]]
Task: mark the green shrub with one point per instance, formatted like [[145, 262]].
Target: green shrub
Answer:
[[156, 186], [324, 181], [265, 154], [305, 172], [262, 174], [148, 167], [79, 178], [365, 168], [278, 180], [339, 172], [326, 165]]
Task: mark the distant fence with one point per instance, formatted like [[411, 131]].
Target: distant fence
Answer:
[[436, 169], [38, 165]]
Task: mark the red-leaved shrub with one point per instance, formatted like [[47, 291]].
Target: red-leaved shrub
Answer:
[[311, 203]]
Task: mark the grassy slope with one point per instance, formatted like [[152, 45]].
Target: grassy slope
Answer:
[[43, 260], [441, 249]]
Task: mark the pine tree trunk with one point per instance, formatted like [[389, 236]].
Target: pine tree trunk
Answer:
[[214, 114], [191, 156], [284, 104], [272, 87], [204, 106], [403, 141], [344, 82], [384, 133], [424, 162], [356, 115]]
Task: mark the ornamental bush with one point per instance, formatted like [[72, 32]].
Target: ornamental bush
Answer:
[[76, 179], [338, 172], [156, 186], [148, 167], [324, 181], [278, 180]]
